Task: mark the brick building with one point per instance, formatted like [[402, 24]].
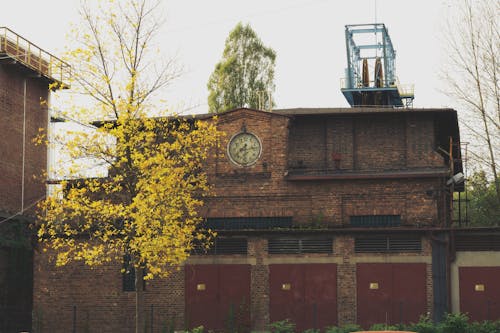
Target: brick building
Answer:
[[324, 216], [25, 74], [358, 189]]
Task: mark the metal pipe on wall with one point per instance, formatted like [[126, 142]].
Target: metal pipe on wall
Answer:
[[24, 145]]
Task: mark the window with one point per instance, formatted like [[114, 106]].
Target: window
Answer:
[[299, 245], [239, 223], [224, 246], [128, 275], [375, 220]]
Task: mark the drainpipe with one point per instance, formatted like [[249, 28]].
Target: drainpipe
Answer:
[[24, 146], [447, 263], [50, 153]]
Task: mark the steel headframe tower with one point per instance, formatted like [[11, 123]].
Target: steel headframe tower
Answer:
[[370, 46]]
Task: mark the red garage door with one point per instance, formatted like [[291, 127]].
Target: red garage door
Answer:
[[304, 293], [218, 296], [390, 293], [480, 292]]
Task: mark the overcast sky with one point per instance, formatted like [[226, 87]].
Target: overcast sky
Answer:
[[307, 35]]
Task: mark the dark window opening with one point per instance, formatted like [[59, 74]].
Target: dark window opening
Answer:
[[248, 223], [299, 245], [224, 246], [128, 275], [375, 220], [387, 244]]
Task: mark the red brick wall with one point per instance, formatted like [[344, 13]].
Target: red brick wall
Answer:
[[267, 173], [11, 112], [363, 143], [259, 289], [20, 91], [367, 143], [101, 304], [263, 190]]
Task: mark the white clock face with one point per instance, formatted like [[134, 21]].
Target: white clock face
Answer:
[[244, 149]]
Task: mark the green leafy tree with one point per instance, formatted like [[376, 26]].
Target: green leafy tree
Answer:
[[245, 75], [483, 205], [480, 206]]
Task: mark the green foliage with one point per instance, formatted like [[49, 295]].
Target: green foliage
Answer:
[[283, 326], [424, 325], [246, 68], [484, 327], [384, 327], [484, 205], [199, 329], [348, 328], [455, 323]]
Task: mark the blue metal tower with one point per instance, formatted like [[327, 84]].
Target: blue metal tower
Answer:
[[370, 46]]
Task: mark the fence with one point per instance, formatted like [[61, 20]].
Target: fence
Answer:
[[20, 49], [98, 318]]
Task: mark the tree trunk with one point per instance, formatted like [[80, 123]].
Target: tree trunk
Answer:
[[139, 300]]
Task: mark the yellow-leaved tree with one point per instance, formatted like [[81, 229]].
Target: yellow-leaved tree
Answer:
[[145, 207]]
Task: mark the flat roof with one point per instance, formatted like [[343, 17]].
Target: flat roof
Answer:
[[358, 110]]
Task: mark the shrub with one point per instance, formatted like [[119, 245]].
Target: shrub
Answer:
[[284, 326], [484, 327], [312, 330], [424, 325], [198, 329], [383, 327], [455, 323], [348, 328]]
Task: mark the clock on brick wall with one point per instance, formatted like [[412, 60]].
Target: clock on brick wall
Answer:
[[244, 148]]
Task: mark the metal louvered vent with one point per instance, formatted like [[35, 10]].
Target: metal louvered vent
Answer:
[[370, 244], [224, 246], [387, 244], [477, 242], [248, 223], [320, 245], [405, 244], [375, 220], [299, 245]]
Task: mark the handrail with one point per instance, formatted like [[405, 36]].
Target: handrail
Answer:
[[404, 90], [34, 57]]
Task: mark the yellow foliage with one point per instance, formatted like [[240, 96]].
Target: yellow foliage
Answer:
[[146, 207]]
